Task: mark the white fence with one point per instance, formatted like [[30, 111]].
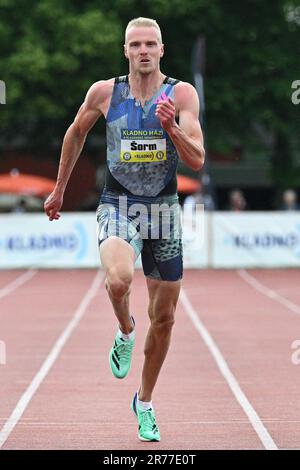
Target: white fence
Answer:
[[225, 240]]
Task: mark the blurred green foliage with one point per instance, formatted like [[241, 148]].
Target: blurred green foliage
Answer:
[[51, 51]]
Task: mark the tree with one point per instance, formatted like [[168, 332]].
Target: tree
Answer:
[[51, 51]]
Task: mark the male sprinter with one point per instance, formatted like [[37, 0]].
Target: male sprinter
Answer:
[[144, 142]]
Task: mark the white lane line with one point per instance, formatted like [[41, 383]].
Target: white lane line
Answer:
[[100, 424], [253, 417], [19, 281], [50, 360], [272, 294]]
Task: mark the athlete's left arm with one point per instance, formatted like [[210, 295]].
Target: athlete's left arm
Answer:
[[187, 135]]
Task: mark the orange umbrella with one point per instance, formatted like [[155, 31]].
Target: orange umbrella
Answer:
[[17, 183], [185, 184]]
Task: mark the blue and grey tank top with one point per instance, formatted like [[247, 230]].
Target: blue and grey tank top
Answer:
[[141, 158]]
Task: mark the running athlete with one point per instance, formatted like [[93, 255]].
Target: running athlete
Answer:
[[152, 120]]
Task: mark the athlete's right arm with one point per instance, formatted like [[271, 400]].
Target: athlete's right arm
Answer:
[[73, 142]]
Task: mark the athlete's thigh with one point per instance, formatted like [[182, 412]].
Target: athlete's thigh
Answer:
[[119, 242], [116, 253]]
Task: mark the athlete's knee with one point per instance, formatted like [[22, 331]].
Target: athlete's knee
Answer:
[[118, 282], [164, 323]]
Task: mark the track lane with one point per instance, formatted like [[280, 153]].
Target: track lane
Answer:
[[80, 405], [30, 323], [255, 335], [8, 284]]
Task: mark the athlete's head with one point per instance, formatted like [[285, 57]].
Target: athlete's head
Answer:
[[143, 45]]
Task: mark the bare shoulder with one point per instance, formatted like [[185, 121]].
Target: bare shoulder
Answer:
[[99, 93], [100, 90], [184, 94]]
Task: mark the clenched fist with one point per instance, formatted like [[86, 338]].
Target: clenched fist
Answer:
[[165, 111], [53, 204]]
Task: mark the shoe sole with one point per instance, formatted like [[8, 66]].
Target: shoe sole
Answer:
[[147, 440]]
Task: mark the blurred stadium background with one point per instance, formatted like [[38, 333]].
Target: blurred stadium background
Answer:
[[246, 52]]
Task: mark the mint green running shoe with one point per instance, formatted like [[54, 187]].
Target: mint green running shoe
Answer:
[[120, 356], [148, 429]]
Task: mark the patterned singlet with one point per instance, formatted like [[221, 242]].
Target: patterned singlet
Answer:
[[141, 158]]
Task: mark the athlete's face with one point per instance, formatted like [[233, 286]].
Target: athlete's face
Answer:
[[143, 49]]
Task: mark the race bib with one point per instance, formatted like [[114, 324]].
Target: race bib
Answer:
[[143, 145]]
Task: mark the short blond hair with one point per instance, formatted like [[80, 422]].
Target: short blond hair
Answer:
[[141, 21]]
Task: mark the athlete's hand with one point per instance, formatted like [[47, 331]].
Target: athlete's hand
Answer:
[[53, 204], [165, 111]]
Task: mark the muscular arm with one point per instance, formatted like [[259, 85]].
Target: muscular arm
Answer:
[[73, 142], [187, 136]]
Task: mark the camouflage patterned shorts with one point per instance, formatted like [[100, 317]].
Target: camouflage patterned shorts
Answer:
[[150, 225]]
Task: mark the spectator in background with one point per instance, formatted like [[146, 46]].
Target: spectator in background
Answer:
[[289, 201], [20, 206], [199, 198], [237, 202]]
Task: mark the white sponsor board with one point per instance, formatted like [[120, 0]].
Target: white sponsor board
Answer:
[[256, 239], [220, 240], [195, 239], [32, 240]]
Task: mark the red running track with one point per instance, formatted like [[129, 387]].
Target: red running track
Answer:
[[228, 381]]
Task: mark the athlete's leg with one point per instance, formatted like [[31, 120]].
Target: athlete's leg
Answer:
[[163, 296], [117, 258]]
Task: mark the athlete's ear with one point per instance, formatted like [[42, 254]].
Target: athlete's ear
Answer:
[[162, 50], [125, 51]]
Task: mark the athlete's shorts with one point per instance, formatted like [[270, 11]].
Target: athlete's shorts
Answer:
[[150, 225]]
